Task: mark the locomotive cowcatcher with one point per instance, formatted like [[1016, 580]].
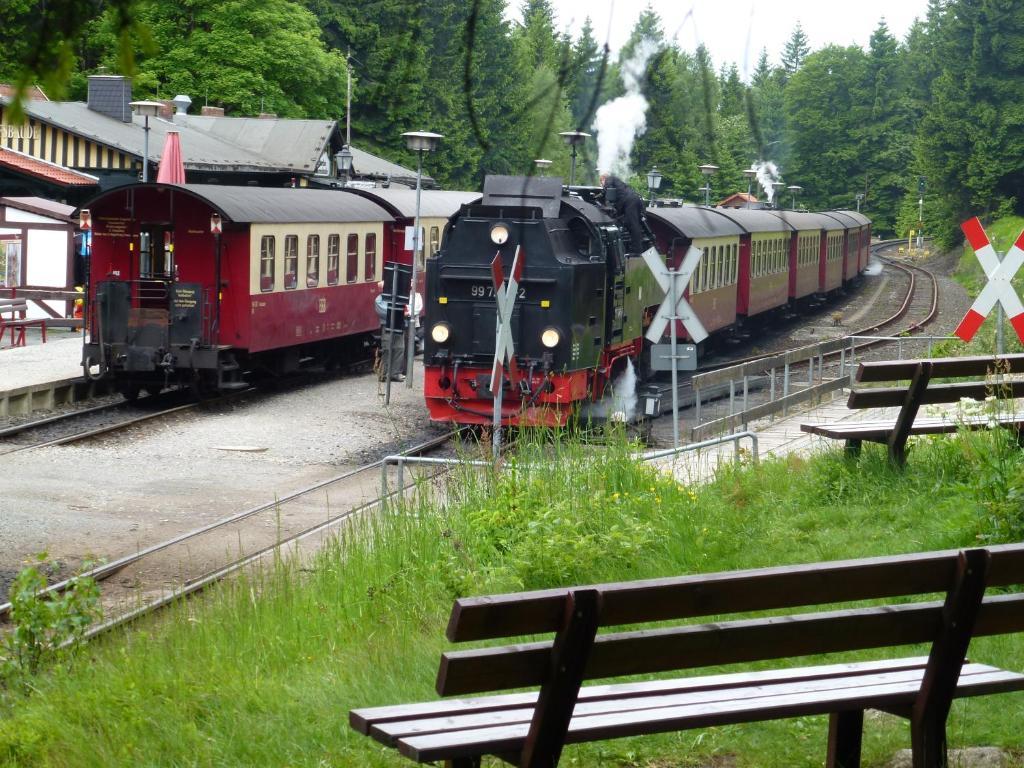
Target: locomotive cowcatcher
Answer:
[[579, 314]]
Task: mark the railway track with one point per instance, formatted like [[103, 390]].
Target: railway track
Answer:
[[162, 573]]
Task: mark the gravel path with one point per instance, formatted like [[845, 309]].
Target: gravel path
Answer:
[[115, 494]]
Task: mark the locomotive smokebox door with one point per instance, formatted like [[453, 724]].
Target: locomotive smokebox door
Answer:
[[186, 312]]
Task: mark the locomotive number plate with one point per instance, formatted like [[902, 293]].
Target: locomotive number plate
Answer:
[[486, 291]]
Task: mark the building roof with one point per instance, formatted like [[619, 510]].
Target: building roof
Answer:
[[737, 200], [42, 169], [211, 143], [277, 205], [34, 93], [40, 206]]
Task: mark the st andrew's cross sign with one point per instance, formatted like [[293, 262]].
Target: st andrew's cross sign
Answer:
[[998, 290]]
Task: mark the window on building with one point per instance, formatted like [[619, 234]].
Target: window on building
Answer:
[[267, 263], [313, 261], [370, 257], [352, 259], [333, 258], [291, 261]]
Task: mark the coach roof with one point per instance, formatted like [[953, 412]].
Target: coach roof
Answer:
[[260, 205], [693, 221]]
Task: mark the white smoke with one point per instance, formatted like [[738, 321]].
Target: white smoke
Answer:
[[620, 404], [620, 121], [767, 173]]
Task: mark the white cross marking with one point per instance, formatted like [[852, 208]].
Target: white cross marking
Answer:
[[505, 297], [998, 290], [682, 310]]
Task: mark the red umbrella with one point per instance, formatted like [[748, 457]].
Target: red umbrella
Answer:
[[172, 168]]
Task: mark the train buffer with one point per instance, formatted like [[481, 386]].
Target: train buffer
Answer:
[[989, 376], [530, 728]]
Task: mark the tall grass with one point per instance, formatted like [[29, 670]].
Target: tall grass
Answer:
[[262, 670]]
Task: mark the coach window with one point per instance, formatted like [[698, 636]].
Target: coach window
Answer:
[[333, 258], [435, 240], [370, 258], [313, 261], [267, 263], [291, 261], [352, 259]]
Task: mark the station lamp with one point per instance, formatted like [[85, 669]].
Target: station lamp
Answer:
[[573, 139], [653, 181], [146, 110]]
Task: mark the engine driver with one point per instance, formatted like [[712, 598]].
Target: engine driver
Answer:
[[629, 208]]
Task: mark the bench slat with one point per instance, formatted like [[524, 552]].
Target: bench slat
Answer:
[[508, 739], [524, 613], [878, 431], [888, 397], [362, 720], [662, 696], [678, 648], [895, 370]]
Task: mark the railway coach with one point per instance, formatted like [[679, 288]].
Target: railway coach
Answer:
[[204, 285]]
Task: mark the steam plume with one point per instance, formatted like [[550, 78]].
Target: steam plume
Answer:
[[767, 173], [620, 121]]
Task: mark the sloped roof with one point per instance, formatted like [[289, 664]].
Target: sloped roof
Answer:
[[693, 221], [42, 169], [401, 203], [210, 143], [41, 206]]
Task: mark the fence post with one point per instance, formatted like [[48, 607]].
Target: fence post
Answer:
[[732, 396], [696, 405], [785, 386]]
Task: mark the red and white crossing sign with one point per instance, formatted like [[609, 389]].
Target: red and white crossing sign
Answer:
[[998, 289], [505, 296], [682, 309]]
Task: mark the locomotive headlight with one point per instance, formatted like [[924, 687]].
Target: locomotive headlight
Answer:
[[440, 332], [550, 338], [499, 234]]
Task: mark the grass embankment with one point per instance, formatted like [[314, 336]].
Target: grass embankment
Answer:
[[263, 670]]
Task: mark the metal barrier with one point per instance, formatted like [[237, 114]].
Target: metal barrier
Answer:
[[766, 370], [401, 461]]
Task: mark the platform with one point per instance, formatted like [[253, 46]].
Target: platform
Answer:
[[37, 363]]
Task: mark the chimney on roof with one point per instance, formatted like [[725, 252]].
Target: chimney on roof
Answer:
[[167, 110], [182, 102], [212, 112], [111, 95]]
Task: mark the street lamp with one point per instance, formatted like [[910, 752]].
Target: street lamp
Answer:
[[794, 190], [858, 197], [542, 165], [145, 109], [573, 139], [343, 162], [653, 181], [419, 142], [751, 174], [777, 187], [709, 171]]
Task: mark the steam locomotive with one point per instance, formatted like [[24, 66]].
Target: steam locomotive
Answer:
[[583, 303]]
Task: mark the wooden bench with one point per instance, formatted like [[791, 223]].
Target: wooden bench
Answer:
[[530, 729], [16, 324], [988, 373]]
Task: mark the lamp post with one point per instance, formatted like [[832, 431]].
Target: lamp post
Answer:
[[653, 181], [343, 162], [858, 197], [216, 226], [751, 174], [777, 187], [573, 139], [794, 190], [709, 171], [542, 165], [145, 109], [419, 142]]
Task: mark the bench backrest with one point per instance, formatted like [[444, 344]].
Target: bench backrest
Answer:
[[986, 368], [13, 305], [712, 596]]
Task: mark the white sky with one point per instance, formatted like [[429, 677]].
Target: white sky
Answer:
[[737, 30]]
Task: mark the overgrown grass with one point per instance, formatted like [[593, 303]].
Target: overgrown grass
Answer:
[[263, 670]]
